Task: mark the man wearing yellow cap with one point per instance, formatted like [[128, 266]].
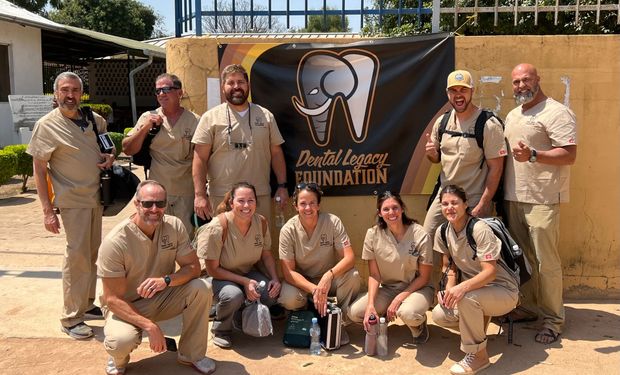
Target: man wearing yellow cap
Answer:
[[463, 163]]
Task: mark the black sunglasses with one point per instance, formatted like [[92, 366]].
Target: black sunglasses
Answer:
[[165, 89], [149, 204]]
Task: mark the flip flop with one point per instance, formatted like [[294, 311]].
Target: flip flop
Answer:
[[547, 333]]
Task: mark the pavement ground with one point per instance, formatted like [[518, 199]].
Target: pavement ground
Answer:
[[31, 341]]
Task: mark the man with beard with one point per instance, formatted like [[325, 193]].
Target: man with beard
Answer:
[[237, 141], [463, 163], [171, 148], [64, 145], [141, 287], [542, 137]]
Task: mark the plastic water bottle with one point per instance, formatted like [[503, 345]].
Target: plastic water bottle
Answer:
[[280, 219], [370, 345], [382, 339], [315, 337], [259, 289]]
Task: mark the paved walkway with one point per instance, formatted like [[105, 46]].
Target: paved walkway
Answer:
[[31, 341]]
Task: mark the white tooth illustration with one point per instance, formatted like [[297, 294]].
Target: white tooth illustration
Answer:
[[326, 77]]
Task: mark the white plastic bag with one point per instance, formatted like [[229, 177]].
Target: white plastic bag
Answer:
[[256, 320]]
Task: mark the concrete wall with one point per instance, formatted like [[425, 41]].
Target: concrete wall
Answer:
[[26, 71], [578, 70]]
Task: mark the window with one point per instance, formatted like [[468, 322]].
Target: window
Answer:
[[5, 78]]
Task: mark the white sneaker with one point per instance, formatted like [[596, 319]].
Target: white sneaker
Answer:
[[204, 365], [111, 369]]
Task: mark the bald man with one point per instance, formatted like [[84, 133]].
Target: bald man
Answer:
[[542, 138]]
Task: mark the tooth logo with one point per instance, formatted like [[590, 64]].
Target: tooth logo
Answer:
[[325, 78]]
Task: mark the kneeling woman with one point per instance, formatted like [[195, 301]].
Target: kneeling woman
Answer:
[[400, 262], [316, 257], [485, 288], [233, 244]]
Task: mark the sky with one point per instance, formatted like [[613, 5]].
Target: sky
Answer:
[[165, 8]]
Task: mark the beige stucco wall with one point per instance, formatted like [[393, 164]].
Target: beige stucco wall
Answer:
[[579, 70]]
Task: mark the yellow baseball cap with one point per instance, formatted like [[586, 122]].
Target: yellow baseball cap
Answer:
[[460, 78]]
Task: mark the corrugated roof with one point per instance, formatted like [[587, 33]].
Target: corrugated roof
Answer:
[[161, 42], [12, 13], [71, 44]]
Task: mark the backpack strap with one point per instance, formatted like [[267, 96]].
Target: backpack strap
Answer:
[[469, 232], [224, 224], [442, 127], [442, 233]]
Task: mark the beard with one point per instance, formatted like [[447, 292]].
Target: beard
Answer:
[[236, 97], [68, 104], [527, 96]]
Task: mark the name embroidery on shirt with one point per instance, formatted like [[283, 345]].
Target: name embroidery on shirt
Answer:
[[324, 241], [259, 123], [165, 242], [187, 134], [258, 240], [413, 251]]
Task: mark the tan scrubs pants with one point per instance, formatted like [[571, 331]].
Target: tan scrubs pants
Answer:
[[193, 300], [79, 271]]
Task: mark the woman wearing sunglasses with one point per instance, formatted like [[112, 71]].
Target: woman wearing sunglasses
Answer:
[[316, 257], [233, 244], [476, 288], [400, 260]]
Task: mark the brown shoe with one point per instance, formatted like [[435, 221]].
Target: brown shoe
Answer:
[[519, 315], [470, 364]]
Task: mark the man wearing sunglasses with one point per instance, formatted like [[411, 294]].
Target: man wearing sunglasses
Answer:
[[141, 287], [171, 148], [237, 141]]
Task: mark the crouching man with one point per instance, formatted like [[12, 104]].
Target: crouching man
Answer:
[[140, 286]]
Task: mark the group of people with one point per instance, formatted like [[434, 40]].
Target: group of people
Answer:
[[217, 167]]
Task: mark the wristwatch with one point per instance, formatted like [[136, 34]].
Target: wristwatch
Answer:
[[533, 155], [282, 185], [167, 280]]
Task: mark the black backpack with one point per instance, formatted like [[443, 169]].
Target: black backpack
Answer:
[[479, 135], [511, 252]]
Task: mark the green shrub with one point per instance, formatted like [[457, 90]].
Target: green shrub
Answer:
[[24, 163], [8, 165], [117, 138], [127, 130], [103, 110]]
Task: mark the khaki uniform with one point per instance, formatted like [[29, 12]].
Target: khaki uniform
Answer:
[[496, 298], [238, 254], [72, 155], [463, 162], [398, 265], [533, 193], [126, 252], [314, 256], [172, 152], [228, 165]]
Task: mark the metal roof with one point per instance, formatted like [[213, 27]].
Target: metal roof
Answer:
[[69, 44]]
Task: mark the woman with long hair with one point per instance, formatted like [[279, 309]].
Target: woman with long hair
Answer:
[[400, 260], [478, 284], [233, 244]]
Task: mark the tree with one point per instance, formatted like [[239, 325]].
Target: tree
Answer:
[[126, 18], [333, 24], [483, 24], [242, 24], [34, 6]]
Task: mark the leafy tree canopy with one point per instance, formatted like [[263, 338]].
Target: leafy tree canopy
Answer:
[[126, 18]]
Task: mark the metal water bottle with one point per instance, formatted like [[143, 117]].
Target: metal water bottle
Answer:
[[106, 188], [370, 345], [382, 339]]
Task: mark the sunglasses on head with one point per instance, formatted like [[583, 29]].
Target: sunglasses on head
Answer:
[[149, 204], [309, 186], [165, 89]]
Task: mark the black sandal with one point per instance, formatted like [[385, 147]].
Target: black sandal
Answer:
[[547, 333]]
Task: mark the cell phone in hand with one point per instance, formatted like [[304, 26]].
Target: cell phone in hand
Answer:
[[171, 344]]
